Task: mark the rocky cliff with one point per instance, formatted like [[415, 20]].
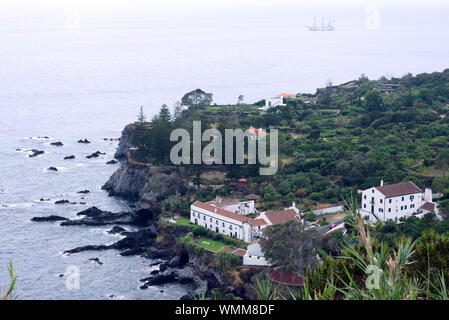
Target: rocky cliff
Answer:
[[129, 180], [125, 143], [142, 181]]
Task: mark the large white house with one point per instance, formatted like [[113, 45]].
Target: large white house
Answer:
[[277, 101], [229, 218], [395, 201], [223, 221]]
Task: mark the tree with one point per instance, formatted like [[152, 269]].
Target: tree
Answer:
[[336, 242], [290, 246], [161, 127], [270, 194], [442, 161], [240, 99], [444, 207], [197, 99], [374, 101], [141, 137], [141, 118]]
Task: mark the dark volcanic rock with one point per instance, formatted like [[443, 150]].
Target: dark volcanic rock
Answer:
[[52, 169], [111, 162], [96, 154], [97, 217], [83, 141], [69, 157], [96, 260], [49, 218], [84, 191], [88, 248], [57, 144], [179, 261], [35, 153], [62, 201], [160, 279], [125, 143], [116, 229]]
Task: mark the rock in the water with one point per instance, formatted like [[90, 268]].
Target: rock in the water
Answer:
[[69, 157], [49, 218], [35, 153], [96, 260], [83, 141], [116, 229], [96, 154], [111, 162], [160, 279], [57, 144], [84, 191], [52, 169], [62, 201], [88, 248]]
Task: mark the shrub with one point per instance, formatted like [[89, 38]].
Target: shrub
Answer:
[[199, 231], [227, 260]]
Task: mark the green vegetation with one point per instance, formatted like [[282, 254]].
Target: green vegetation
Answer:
[[9, 293], [290, 246], [214, 245], [183, 221], [336, 141]]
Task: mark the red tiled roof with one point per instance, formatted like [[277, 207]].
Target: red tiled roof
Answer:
[[428, 206], [278, 217], [239, 252], [223, 212], [257, 132], [287, 95], [399, 189], [286, 277], [226, 203], [226, 249], [252, 196], [258, 222]]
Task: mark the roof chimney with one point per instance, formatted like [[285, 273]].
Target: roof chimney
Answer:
[[217, 199], [381, 183], [428, 195]]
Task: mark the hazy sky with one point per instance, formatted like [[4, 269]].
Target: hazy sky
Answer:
[[202, 4]]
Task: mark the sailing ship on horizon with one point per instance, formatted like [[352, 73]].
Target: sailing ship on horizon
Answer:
[[323, 27]]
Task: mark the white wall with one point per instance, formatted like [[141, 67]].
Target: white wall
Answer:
[[254, 256], [203, 218], [328, 210], [389, 208]]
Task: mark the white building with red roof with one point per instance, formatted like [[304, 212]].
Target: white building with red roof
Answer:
[[395, 201], [223, 221], [277, 101]]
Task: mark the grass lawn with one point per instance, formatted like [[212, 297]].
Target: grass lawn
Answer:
[[211, 244], [183, 221]]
